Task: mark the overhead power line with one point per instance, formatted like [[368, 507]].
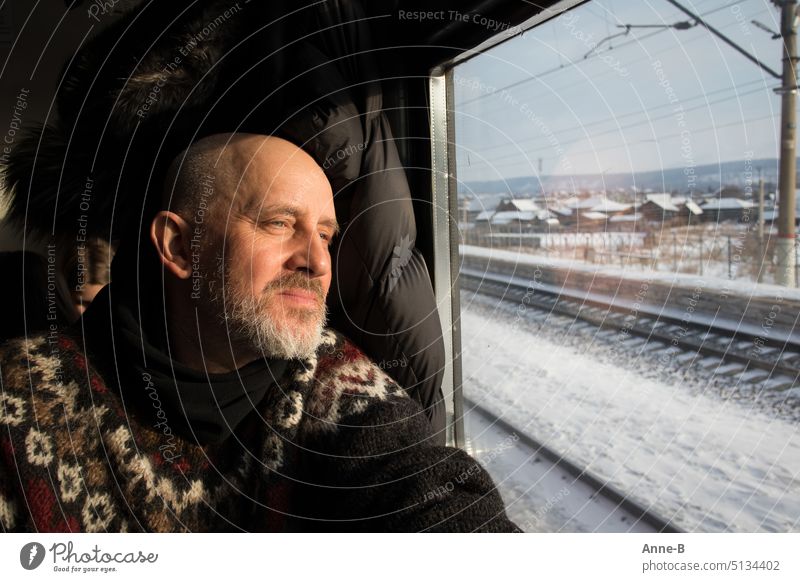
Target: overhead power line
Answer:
[[535, 154], [623, 127], [724, 38], [561, 67], [582, 82]]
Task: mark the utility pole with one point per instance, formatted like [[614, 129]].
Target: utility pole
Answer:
[[761, 212], [762, 251], [784, 249]]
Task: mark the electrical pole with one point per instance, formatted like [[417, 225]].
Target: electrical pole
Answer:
[[762, 251], [784, 250], [761, 212], [785, 247]]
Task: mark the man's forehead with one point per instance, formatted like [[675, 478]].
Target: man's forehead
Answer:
[[261, 200], [258, 171], [299, 196]]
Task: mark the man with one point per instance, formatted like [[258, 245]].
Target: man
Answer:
[[223, 403]]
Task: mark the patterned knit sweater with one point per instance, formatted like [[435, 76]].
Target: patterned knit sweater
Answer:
[[336, 446]]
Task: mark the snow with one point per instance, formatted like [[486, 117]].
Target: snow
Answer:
[[538, 495], [508, 216], [607, 205], [626, 218], [595, 215], [693, 207], [523, 204], [707, 320], [570, 239], [727, 204], [719, 284], [583, 203], [663, 201], [707, 463]]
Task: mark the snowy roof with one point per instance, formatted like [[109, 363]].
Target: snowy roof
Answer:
[[523, 204], [595, 215], [581, 203], [563, 211], [607, 205], [570, 202], [484, 202], [507, 216], [625, 218], [727, 204], [485, 215], [693, 207], [664, 201]]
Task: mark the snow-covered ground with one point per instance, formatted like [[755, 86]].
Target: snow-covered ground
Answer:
[[738, 286], [705, 462], [541, 497], [599, 240]]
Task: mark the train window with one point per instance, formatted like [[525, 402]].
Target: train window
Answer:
[[628, 322]]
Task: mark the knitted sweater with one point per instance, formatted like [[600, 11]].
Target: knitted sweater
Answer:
[[334, 446]]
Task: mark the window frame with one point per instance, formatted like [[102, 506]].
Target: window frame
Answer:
[[444, 215]]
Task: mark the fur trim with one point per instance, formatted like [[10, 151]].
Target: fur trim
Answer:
[[129, 101], [161, 77]]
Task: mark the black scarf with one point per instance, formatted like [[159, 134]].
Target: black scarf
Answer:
[[201, 407]]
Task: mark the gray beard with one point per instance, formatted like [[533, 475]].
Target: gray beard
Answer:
[[246, 322]]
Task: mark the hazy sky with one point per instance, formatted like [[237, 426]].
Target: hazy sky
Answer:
[[655, 98]]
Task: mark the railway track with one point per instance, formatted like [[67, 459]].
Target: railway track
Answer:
[[729, 356], [616, 508], [727, 353]]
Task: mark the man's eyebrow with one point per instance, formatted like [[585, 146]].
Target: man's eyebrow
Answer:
[[293, 211], [257, 210], [332, 224]]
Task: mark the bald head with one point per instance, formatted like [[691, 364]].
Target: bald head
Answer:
[[215, 171]]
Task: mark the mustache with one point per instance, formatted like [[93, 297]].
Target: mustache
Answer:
[[296, 281]]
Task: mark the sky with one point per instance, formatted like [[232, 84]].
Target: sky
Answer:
[[562, 97]]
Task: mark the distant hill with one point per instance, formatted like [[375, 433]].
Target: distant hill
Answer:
[[707, 177]]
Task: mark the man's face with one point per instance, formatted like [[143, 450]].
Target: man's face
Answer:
[[272, 239]]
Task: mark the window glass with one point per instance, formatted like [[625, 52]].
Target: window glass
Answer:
[[618, 171]]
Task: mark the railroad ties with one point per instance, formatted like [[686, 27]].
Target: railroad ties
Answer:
[[755, 356]]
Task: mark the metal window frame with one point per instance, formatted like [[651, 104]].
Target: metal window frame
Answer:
[[445, 247], [444, 188]]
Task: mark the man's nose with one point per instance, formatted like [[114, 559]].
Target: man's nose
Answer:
[[311, 254]]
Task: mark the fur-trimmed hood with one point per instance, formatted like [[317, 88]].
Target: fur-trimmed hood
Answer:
[[129, 101]]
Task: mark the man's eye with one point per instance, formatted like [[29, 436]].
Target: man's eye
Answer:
[[277, 223]]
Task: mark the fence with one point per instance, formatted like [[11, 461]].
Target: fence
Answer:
[[730, 251]]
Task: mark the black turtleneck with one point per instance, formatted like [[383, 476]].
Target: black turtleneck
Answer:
[[202, 407]]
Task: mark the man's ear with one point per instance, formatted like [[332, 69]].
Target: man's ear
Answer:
[[171, 235]]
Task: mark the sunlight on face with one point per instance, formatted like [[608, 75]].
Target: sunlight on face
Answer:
[[274, 326], [273, 264]]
